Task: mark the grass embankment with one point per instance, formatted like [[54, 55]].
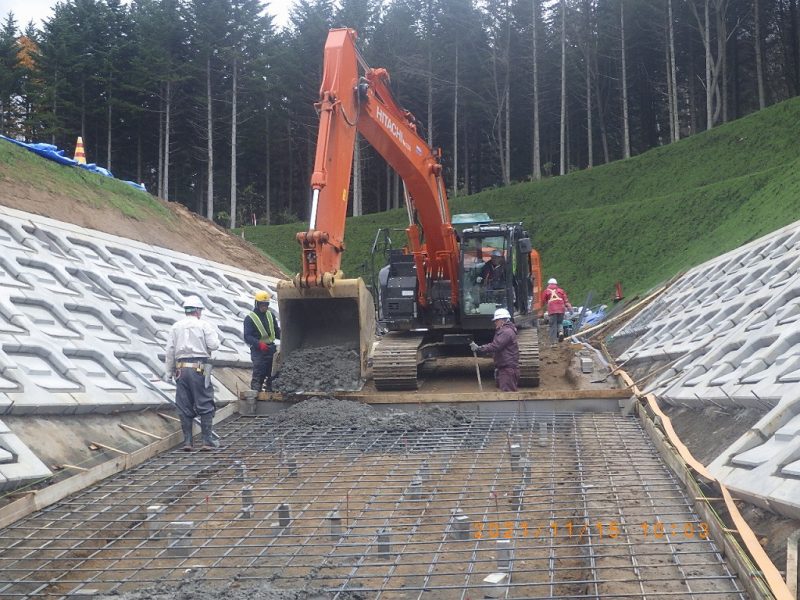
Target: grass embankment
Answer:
[[640, 220], [23, 168]]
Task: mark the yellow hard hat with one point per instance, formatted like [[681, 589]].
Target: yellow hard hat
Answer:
[[263, 296]]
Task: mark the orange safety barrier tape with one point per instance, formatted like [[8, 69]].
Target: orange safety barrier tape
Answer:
[[771, 574]]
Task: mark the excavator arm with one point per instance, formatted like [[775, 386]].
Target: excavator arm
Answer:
[[353, 102]]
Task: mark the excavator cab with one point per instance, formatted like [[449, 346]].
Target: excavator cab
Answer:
[[495, 272]]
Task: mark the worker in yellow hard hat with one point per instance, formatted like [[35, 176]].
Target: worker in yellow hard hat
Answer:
[[261, 329]]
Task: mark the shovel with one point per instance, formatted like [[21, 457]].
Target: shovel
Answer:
[[477, 370]]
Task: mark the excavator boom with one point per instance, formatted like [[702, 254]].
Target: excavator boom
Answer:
[[319, 307]]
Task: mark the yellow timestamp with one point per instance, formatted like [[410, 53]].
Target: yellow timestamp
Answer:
[[612, 529]]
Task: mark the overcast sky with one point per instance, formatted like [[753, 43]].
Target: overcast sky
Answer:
[[37, 10]]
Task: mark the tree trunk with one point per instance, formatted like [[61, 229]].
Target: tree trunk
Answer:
[[267, 177], [601, 112], [209, 145], [83, 111], [139, 155], [692, 97], [234, 118], [507, 94], [55, 108], [670, 104], [160, 171], [507, 136], [722, 59], [709, 89], [562, 137], [626, 134], [589, 41], [762, 100], [455, 127], [467, 157], [537, 160], [676, 121], [430, 72], [108, 135], [167, 129]]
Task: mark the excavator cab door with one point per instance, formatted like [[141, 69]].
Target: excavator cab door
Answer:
[[487, 275]]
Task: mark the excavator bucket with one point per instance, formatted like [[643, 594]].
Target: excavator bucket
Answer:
[[326, 335]]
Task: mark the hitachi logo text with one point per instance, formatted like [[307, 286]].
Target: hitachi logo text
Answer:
[[384, 120]]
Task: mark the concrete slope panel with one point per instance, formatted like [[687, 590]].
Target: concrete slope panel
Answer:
[[728, 335], [84, 318]]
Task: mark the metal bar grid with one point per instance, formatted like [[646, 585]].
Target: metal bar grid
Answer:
[[600, 517]]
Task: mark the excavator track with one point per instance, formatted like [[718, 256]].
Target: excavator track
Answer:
[[528, 341], [395, 361]]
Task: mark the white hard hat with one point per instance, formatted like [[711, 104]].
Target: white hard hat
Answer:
[[501, 313], [192, 302], [552, 280]]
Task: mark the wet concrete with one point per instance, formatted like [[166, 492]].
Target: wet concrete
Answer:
[[198, 589], [330, 412], [320, 369]]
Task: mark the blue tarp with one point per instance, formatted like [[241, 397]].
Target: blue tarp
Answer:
[[53, 153]]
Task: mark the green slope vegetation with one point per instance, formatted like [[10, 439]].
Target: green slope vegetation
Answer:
[[22, 168], [640, 220]]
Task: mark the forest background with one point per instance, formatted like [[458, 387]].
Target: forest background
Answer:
[[208, 103]]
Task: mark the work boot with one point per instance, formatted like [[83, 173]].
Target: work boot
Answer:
[[186, 428], [209, 443]]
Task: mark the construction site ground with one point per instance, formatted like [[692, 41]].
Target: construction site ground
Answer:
[[596, 513], [568, 505]]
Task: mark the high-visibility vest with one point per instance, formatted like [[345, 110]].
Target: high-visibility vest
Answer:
[[268, 337]]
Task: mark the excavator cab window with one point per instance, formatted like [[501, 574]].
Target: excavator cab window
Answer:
[[487, 272]]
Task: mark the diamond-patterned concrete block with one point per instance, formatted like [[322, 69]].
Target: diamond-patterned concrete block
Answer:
[[732, 325]]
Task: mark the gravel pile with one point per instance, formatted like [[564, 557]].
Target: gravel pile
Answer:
[[320, 369]]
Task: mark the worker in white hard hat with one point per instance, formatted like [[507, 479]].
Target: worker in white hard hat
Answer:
[[261, 329], [505, 351], [189, 346], [556, 302]]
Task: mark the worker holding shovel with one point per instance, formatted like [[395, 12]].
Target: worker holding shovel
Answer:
[[505, 351]]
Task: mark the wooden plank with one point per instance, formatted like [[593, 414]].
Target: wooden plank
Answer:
[[44, 497]]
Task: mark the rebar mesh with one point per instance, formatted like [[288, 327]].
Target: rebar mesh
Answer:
[[558, 505]]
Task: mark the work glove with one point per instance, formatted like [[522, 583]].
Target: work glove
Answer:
[[479, 279], [167, 377], [473, 346], [263, 346]]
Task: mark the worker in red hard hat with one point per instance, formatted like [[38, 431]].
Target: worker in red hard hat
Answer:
[[556, 303], [261, 329], [505, 351]]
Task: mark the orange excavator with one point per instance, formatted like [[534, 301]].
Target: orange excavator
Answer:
[[439, 291]]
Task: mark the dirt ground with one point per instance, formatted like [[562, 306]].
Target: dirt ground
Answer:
[[187, 232]]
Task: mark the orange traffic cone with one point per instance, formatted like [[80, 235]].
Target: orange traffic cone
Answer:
[[80, 156]]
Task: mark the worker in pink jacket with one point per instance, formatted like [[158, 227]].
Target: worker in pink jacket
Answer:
[[556, 303]]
